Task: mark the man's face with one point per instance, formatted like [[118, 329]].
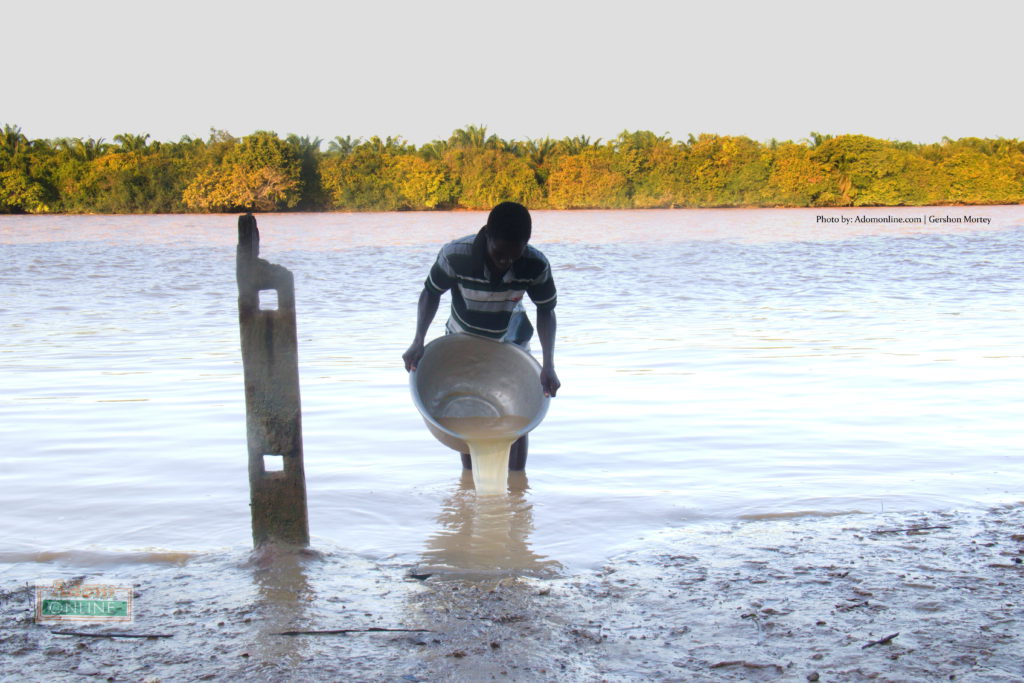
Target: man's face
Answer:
[[503, 253]]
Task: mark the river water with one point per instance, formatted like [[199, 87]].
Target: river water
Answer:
[[715, 364]]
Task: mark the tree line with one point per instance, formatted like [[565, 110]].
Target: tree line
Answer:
[[472, 169]]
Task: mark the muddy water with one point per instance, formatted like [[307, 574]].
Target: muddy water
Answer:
[[489, 440], [486, 536], [716, 366]]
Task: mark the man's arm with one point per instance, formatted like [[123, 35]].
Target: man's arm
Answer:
[[546, 325], [425, 311]]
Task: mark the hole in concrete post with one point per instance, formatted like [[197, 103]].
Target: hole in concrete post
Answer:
[[268, 299], [273, 464]]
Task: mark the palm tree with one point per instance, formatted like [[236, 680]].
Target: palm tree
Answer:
[[308, 151], [12, 141], [304, 145], [817, 139], [538, 151], [128, 142], [83, 150], [475, 137], [577, 144], [343, 146], [389, 145]]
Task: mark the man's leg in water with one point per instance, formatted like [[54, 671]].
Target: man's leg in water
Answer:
[[516, 455]]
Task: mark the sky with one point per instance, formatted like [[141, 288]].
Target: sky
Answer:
[[899, 69]]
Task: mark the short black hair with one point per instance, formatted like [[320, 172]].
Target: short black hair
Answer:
[[509, 221]]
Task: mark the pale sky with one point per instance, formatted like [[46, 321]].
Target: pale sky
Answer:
[[898, 69]]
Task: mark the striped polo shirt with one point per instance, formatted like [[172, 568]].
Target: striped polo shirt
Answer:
[[482, 304]]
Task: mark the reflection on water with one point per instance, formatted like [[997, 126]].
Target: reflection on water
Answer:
[[282, 600], [485, 535]]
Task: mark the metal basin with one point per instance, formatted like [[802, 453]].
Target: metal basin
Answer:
[[461, 375]]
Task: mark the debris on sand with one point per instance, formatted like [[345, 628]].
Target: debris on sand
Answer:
[[857, 597]]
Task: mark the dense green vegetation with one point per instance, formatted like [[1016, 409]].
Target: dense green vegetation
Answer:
[[474, 170]]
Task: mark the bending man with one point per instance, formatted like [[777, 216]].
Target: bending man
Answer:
[[488, 273]]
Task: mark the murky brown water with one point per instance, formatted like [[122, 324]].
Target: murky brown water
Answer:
[[768, 460], [716, 365]]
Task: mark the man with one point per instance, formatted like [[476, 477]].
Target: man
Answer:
[[488, 274]]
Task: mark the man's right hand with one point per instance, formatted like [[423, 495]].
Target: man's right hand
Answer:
[[425, 310], [412, 355]]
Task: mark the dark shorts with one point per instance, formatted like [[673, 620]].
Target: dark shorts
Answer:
[[519, 332]]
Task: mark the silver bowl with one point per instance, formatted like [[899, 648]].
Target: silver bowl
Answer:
[[461, 375]]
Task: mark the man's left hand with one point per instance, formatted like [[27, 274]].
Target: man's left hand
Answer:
[[549, 380]]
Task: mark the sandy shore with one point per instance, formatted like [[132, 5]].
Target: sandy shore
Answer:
[[890, 597]]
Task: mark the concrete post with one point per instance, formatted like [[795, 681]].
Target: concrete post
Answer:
[[273, 416]]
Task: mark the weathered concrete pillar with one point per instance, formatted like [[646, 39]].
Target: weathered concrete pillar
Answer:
[[273, 416]]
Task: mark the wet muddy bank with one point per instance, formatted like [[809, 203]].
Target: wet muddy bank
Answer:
[[856, 597]]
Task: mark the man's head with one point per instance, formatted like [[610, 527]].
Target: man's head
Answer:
[[509, 221], [508, 230]]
